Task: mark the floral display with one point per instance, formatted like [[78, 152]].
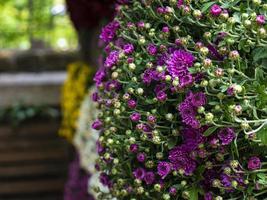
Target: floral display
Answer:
[[74, 90], [183, 101]]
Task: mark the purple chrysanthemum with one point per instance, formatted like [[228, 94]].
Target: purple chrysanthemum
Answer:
[[208, 196], [254, 163], [133, 148], [179, 62], [109, 31], [139, 173], [149, 178], [198, 99], [112, 59], [164, 168], [152, 49], [99, 76], [97, 124], [226, 135], [180, 159], [141, 157], [128, 48], [135, 117], [261, 19], [216, 10]]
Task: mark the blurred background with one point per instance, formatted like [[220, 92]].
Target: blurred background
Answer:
[[49, 52]]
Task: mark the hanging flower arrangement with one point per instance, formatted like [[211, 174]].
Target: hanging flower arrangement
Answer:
[[183, 101]]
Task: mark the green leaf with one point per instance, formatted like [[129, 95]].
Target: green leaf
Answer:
[[210, 130], [206, 6], [262, 135], [171, 143], [260, 54], [193, 192]]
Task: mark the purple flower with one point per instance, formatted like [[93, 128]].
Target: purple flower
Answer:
[[179, 62], [208, 196], [198, 99], [95, 97], [112, 59], [128, 48], [226, 135], [254, 163], [100, 149], [135, 117], [161, 96], [164, 168], [109, 31], [149, 178], [165, 29], [104, 179], [226, 180], [230, 91], [99, 76], [133, 148], [141, 157], [139, 173], [173, 191], [151, 119], [97, 124], [186, 109], [180, 159], [260, 19], [180, 3], [186, 80], [216, 10], [152, 49], [132, 103]]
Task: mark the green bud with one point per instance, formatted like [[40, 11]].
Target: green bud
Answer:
[[140, 190], [157, 187], [201, 109], [166, 197]]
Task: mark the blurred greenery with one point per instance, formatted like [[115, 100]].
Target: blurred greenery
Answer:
[[24, 22]]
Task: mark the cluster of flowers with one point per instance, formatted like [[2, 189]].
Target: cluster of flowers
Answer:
[[73, 92], [183, 101]]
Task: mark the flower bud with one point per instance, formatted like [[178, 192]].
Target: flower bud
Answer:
[[137, 182], [218, 198], [160, 69], [186, 195], [245, 126], [201, 109], [238, 109], [262, 32], [132, 66], [140, 190], [169, 116], [234, 164], [216, 183], [204, 83], [238, 88], [219, 72], [157, 187], [168, 78], [197, 14], [247, 23], [207, 63], [142, 41], [207, 35], [234, 184], [159, 155], [234, 55], [166, 197], [227, 170], [140, 91], [204, 51], [256, 2]]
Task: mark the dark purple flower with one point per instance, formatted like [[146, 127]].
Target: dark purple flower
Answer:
[[261, 19], [180, 159], [164, 168], [141, 24], [173, 191], [128, 48], [226, 135], [139, 173], [186, 80], [179, 62], [95, 97], [230, 91], [141, 157], [165, 29], [133, 148], [226, 181], [216, 10], [146, 128], [99, 76], [186, 109], [149, 178], [208, 196], [112, 59], [132, 103], [254, 163], [180, 3], [161, 96], [109, 31], [104, 179], [135, 117], [152, 49], [151, 119], [100, 149], [198, 99], [97, 124]]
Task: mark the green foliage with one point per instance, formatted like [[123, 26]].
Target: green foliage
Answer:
[[26, 20]]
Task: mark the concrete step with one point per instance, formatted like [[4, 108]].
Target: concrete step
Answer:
[[31, 88]]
